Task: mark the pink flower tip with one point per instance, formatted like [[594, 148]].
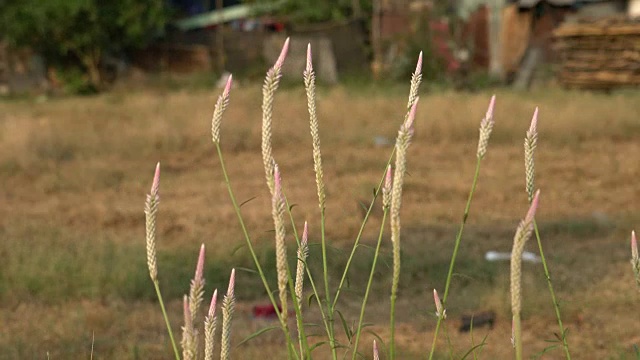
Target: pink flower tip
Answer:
[[419, 64], [232, 283], [534, 121], [634, 244], [200, 265], [534, 206], [155, 186], [412, 114], [227, 87], [492, 104], [305, 234], [440, 312], [387, 178], [376, 355], [283, 55], [309, 59], [214, 300]]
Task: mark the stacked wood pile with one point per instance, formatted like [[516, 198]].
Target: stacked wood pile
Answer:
[[599, 54]]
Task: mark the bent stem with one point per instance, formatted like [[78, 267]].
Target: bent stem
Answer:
[[251, 250], [366, 293], [166, 320], [455, 253], [556, 306]]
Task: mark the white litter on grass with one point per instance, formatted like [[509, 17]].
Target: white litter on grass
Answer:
[[527, 256]]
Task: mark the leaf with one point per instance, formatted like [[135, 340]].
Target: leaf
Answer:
[[380, 341], [347, 331], [473, 349], [292, 206], [235, 249], [257, 333], [247, 201], [309, 298], [317, 345], [363, 206], [251, 271], [544, 351]]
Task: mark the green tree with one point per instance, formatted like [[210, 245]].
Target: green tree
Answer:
[[313, 11], [81, 31]]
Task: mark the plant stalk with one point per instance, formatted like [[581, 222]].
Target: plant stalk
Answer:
[[455, 253], [366, 293], [166, 319], [250, 247], [556, 306]]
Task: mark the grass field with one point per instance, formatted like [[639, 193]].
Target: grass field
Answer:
[[74, 173]]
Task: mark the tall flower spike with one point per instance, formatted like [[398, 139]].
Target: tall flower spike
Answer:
[[530, 143], [151, 212], [486, 126], [635, 260], [402, 144], [278, 209], [196, 290], [386, 189], [440, 311], [310, 88], [523, 233], [228, 306], [271, 82], [303, 251], [189, 346], [376, 356], [210, 322], [220, 107]]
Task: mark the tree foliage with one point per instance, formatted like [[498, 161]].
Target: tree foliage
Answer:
[[314, 11], [81, 31]]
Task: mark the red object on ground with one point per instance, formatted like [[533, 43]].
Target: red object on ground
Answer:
[[265, 311]]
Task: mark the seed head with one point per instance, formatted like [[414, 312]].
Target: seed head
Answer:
[[440, 311]]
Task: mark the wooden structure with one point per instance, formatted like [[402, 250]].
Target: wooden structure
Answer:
[[599, 54]]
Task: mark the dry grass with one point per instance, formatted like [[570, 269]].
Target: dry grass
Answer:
[[79, 168]]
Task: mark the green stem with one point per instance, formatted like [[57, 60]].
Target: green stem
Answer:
[[311, 282], [455, 253], [166, 320], [250, 247], [357, 241], [302, 338], [366, 293], [394, 295], [332, 336], [517, 325], [556, 306]]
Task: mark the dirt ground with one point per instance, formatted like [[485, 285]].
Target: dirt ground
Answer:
[[74, 173]]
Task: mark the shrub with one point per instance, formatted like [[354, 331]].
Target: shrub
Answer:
[[80, 33]]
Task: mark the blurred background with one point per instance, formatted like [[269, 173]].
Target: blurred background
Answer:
[[82, 46], [94, 93]]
